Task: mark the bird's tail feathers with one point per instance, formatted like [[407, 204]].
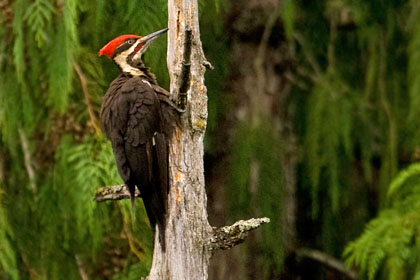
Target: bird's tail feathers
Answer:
[[156, 216]]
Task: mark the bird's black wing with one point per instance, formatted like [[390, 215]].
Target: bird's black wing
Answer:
[[114, 123], [147, 149], [169, 110], [140, 145], [130, 117], [137, 120]]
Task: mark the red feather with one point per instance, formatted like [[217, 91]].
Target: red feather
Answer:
[[109, 48]]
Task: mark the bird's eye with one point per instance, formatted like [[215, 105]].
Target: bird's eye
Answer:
[[131, 41]]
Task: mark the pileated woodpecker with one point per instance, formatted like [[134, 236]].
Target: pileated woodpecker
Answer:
[[138, 117]]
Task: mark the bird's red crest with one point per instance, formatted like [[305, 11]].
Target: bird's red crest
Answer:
[[109, 48]]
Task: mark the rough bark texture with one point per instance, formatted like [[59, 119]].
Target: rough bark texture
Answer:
[[114, 193], [190, 240], [230, 236], [187, 227]]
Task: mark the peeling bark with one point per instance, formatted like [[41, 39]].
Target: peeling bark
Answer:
[[187, 228]]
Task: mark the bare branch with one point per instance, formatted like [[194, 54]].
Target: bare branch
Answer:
[[327, 260], [223, 238], [27, 159], [93, 119], [114, 193], [229, 236], [81, 267]]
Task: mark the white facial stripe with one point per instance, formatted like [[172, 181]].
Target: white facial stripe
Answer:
[[121, 60]]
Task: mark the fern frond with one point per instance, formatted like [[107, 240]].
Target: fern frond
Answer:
[[391, 238], [18, 46], [402, 177], [329, 126], [90, 164], [38, 15], [59, 69], [8, 260]]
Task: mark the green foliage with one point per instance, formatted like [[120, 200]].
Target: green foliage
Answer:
[[413, 67], [288, 14], [329, 121], [18, 47], [391, 240], [214, 39], [49, 225], [356, 111], [354, 103], [59, 70], [38, 15], [7, 253], [359, 126], [256, 184], [356, 122], [86, 165], [131, 273]]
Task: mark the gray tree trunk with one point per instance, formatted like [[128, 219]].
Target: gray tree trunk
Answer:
[[187, 228], [189, 238]]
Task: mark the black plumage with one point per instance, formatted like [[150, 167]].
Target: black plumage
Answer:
[[138, 117]]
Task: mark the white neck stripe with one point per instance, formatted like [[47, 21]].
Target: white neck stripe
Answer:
[[121, 60]]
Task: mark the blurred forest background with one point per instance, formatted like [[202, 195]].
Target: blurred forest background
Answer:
[[314, 122]]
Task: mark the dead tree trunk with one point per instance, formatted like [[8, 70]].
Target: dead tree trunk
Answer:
[[190, 240], [189, 237], [187, 227]]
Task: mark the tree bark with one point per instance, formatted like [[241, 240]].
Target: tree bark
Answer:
[[117, 192], [187, 229], [189, 238]]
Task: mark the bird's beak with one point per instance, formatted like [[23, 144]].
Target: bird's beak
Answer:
[[144, 43], [152, 36]]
